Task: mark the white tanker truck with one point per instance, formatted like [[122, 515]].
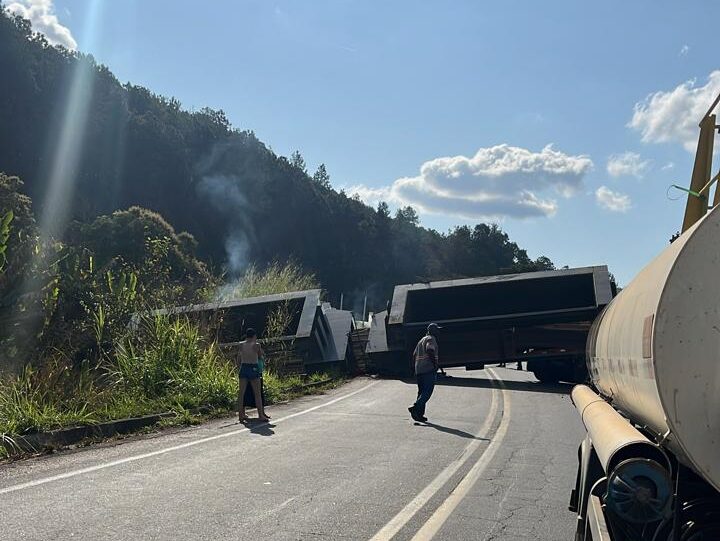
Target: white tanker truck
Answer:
[[649, 467]]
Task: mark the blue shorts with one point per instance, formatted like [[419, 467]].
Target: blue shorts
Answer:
[[249, 371]]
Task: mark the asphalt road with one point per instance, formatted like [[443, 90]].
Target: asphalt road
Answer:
[[495, 462]]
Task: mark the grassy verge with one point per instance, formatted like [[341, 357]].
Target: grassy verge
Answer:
[[163, 366], [281, 389]]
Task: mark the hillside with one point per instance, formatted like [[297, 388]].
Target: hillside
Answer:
[[241, 201]]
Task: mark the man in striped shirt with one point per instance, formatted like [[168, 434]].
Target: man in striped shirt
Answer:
[[425, 365]]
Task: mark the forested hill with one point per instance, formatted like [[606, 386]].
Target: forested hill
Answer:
[[241, 201]]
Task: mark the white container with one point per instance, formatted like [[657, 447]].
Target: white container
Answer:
[[654, 352]]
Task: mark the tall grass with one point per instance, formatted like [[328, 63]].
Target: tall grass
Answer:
[[282, 388], [276, 278], [166, 365], [171, 359], [44, 400]]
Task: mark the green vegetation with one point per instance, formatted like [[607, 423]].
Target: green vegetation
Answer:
[[279, 389], [66, 309], [171, 360], [73, 298], [165, 365], [5, 222], [276, 278]]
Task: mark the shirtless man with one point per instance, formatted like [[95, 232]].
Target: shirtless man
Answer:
[[248, 353]]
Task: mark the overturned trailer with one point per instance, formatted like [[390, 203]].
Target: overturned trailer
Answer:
[[313, 332], [539, 317]]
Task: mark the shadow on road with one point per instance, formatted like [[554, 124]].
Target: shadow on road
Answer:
[[263, 429], [254, 426], [534, 386], [453, 431]]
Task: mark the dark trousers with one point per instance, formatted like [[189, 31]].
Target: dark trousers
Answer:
[[426, 385], [249, 398]]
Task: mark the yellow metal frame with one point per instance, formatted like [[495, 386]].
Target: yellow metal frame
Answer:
[[701, 181]]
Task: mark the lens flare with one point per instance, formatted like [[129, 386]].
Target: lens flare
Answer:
[[67, 141]]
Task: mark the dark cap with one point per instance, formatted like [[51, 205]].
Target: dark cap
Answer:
[[433, 327], [250, 333]]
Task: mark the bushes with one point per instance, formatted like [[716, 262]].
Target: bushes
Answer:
[[76, 295], [117, 265]]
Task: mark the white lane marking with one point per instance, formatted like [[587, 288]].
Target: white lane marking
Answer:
[[442, 513], [135, 458], [409, 511]]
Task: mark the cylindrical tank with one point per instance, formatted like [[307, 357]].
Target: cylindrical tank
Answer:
[[654, 352]]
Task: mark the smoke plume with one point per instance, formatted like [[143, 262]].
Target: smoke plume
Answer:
[[224, 193]]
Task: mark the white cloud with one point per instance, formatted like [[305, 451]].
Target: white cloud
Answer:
[[497, 182], [684, 50], [41, 13], [612, 201], [371, 196], [627, 163], [667, 166], [673, 116]]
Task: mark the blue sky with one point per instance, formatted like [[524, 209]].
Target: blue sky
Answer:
[[471, 92]]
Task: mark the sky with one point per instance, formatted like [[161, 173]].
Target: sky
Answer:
[[565, 122]]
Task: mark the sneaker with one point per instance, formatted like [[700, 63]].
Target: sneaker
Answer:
[[414, 414]]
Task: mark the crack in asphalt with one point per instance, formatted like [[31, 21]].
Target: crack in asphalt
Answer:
[[523, 483]]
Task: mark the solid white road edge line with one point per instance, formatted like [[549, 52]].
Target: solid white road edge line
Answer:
[[442, 513], [409, 511], [135, 458]]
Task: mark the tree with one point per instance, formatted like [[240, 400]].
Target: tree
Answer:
[[117, 265], [19, 244], [544, 263], [143, 242], [27, 283], [383, 210], [321, 177], [407, 215], [297, 161], [5, 222]]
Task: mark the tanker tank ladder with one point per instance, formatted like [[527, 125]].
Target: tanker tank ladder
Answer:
[[701, 181]]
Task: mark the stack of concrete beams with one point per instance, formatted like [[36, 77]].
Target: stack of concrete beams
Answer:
[[316, 337]]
